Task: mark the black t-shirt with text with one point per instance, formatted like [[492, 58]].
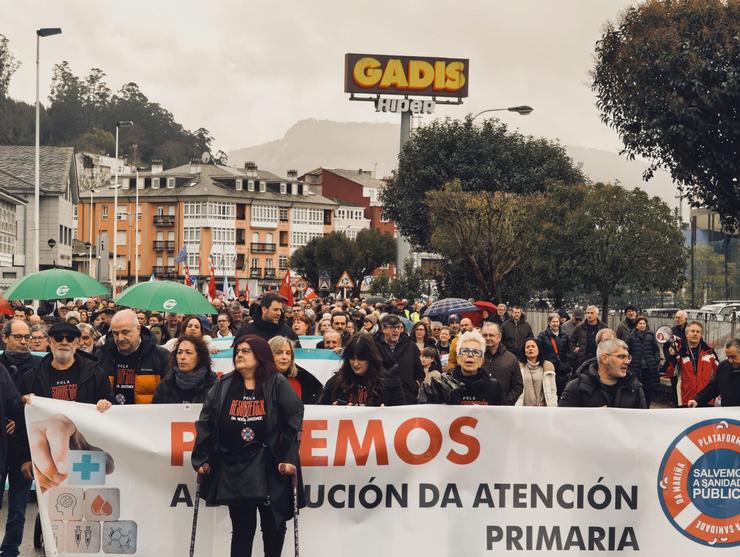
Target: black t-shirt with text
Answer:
[[124, 382], [64, 383], [242, 420]]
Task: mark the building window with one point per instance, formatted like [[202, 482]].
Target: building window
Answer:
[[239, 185], [104, 212], [171, 183], [125, 183], [304, 215], [155, 183], [263, 186], [140, 182], [191, 235], [283, 214], [74, 212], [250, 185], [384, 217], [264, 213], [283, 188], [283, 238], [300, 238], [283, 262], [159, 211]]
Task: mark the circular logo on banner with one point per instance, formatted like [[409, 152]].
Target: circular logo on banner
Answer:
[[169, 304], [248, 434], [62, 290], [699, 483]]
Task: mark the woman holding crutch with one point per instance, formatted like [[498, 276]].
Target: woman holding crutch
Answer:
[[246, 447]]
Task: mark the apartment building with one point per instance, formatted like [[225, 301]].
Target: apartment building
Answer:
[[247, 221]]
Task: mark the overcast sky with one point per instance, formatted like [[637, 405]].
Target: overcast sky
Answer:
[[248, 69]]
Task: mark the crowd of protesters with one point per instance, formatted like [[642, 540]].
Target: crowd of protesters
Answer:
[[391, 354]]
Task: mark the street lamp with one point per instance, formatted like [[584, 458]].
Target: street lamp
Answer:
[[122, 124], [93, 191], [522, 110], [43, 32]]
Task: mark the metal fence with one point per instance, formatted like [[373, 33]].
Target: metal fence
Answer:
[[716, 333]]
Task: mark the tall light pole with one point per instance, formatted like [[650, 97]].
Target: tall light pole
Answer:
[[522, 110], [92, 211], [43, 32], [136, 223], [122, 124]]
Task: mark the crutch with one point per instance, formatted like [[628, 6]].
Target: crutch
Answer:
[[195, 515], [295, 514]]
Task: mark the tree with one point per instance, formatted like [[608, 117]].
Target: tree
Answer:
[[334, 253], [410, 283], [626, 240], [666, 78], [484, 158], [381, 285], [553, 258], [8, 66], [488, 233]]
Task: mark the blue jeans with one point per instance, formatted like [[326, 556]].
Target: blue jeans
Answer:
[[18, 494]]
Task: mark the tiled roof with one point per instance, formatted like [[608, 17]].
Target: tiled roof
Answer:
[[17, 161], [207, 183]]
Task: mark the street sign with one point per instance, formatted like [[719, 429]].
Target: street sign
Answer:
[[301, 285], [324, 283], [345, 281]]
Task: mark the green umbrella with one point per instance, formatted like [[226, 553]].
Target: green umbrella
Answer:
[[165, 295], [55, 284]]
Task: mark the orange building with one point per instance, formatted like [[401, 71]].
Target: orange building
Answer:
[[248, 221]]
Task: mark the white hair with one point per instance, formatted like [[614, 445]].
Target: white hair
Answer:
[[471, 336], [595, 308], [608, 346]]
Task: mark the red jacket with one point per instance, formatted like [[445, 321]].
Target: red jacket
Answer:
[[690, 382]]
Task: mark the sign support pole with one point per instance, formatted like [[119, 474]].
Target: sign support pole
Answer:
[[403, 248]]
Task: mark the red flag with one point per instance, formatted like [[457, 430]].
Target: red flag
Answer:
[[236, 286], [188, 282], [246, 291], [310, 294], [286, 289], [212, 281]]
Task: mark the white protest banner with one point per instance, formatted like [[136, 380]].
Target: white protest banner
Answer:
[[321, 363], [414, 480]]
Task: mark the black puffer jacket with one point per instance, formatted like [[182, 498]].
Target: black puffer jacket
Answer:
[[168, 391], [587, 391], [644, 350], [404, 363], [151, 367], [555, 350], [391, 393], [579, 340], [515, 333], [266, 329]]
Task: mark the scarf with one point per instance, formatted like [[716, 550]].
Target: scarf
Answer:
[[189, 381], [533, 375], [17, 358]]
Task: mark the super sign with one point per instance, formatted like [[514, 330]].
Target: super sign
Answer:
[[406, 75]]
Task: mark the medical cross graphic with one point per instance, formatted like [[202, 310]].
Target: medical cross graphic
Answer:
[[85, 467]]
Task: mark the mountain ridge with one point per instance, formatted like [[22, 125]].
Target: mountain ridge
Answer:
[[313, 143]]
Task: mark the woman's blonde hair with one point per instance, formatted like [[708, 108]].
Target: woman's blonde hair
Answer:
[[276, 344]]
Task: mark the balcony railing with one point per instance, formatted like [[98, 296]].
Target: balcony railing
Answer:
[[164, 272], [170, 246], [158, 245], [164, 220], [255, 272], [262, 248], [269, 273]]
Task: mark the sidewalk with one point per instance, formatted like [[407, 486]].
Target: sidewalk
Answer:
[[27, 549]]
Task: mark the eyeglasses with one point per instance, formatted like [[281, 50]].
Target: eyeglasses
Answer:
[[243, 351], [19, 338], [470, 352], [68, 338], [38, 337], [623, 357], [85, 338]]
